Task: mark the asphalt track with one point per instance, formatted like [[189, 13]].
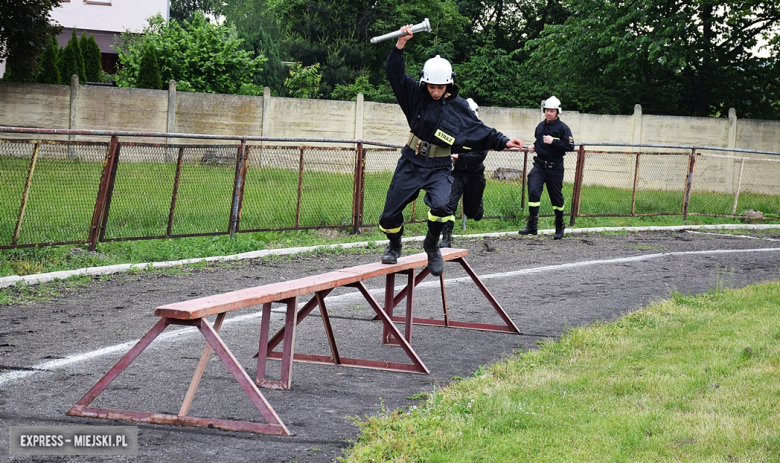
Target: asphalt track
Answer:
[[52, 352]]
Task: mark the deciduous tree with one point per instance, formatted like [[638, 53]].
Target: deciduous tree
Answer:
[[690, 58], [200, 56], [25, 31]]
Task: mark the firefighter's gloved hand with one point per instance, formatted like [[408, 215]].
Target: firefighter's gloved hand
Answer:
[[547, 139]]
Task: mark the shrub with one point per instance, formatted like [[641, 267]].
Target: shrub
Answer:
[[90, 50], [73, 61], [149, 70], [50, 70]]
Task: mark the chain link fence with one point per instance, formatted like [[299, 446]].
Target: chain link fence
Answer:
[[79, 192]]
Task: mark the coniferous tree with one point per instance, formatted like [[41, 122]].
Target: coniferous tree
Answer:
[[73, 61], [50, 71], [149, 70], [90, 50]]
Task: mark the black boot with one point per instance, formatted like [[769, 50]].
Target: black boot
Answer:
[[446, 234], [559, 226], [431, 246], [393, 248], [530, 227]]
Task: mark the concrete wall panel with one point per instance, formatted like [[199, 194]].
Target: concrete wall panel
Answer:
[[39, 105], [208, 113]]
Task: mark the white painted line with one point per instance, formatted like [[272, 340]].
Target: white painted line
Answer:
[[109, 269], [733, 236], [87, 356]]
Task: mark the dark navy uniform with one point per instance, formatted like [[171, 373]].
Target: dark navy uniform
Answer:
[[468, 180], [441, 126], [548, 165]]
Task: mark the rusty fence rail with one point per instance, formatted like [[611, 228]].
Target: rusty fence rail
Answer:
[[84, 186]]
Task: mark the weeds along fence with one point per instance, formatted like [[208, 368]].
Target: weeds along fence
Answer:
[[114, 186]]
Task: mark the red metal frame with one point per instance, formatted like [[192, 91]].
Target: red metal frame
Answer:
[[509, 326], [273, 424]]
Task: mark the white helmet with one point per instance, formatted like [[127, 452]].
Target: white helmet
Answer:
[[474, 106], [552, 103], [437, 71]]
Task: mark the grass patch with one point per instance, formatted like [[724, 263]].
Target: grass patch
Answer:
[[687, 379]]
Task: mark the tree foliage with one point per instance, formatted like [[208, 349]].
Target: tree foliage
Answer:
[[200, 56], [49, 69], [25, 31], [149, 70], [90, 50], [679, 58], [304, 81], [256, 26], [184, 10], [335, 34], [73, 61]]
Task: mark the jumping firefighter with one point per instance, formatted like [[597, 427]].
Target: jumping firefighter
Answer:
[[440, 121], [552, 140], [468, 180]]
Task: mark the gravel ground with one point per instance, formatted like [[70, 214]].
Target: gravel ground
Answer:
[[544, 285]]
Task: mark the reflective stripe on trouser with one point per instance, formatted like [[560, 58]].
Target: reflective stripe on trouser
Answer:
[[408, 180], [537, 179], [471, 187], [433, 218]]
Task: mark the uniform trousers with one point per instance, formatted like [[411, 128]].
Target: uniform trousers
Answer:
[[470, 185], [553, 178], [408, 179]]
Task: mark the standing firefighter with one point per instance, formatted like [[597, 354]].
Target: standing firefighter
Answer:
[[468, 180], [552, 140], [440, 122]]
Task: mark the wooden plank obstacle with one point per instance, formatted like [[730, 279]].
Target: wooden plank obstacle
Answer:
[[194, 312]]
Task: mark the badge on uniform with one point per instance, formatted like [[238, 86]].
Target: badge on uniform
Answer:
[[446, 138]]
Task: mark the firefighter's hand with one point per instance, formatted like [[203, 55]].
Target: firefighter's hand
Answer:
[[531, 149], [515, 143], [547, 139], [404, 38], [454, 157]]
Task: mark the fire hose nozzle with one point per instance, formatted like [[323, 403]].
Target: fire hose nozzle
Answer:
[[424, 26]]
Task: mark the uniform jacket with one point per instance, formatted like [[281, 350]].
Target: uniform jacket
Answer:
[[447, 121], [470, 162], [563, 140]]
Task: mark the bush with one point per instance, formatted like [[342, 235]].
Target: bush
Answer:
[[90, 50], [50, 70], [149, 70], [73, 61]]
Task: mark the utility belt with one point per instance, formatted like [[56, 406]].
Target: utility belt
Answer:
[[546, 164], [424, 148]]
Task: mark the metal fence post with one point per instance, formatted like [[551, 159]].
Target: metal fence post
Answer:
[[109, 193], [238, 188], [97, 214], [300, 191], [358, 189], [26, 194], [689, 184], [636, 180], [525, 176], [175, 193], [579, 173]]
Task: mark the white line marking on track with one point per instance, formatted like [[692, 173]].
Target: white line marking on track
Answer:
[[167, 336], [732, 236]]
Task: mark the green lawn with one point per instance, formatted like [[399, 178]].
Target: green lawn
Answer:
[[687, 379]]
